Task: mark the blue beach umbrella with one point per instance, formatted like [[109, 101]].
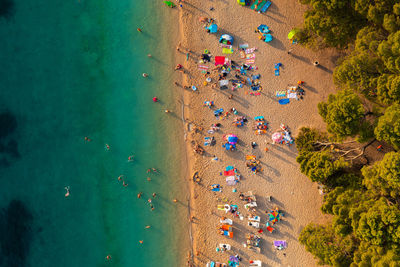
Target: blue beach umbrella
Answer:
[[268, 38], [263, 28]]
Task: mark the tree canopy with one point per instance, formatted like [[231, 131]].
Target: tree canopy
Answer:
[[388, 128], [342, 113]]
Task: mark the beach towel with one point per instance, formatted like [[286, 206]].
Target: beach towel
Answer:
[[280, 93], [270, 229], [251, 56], [231, 180], [243, 46], [229, 173], [203, 67], [219, 60], [250, 61], [280, 243], [227, 50], [284, 101], [225, 46], [250, 50], [291, 95], [228, 168], [276, 72]]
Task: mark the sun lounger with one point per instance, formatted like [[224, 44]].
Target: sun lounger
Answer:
[[254, 218], [226, 221], [226, 227], [229, 234], [257, 2], [265, 7], [210, 264], [250, 205], [254, 224], [260, 5], [256, 263]]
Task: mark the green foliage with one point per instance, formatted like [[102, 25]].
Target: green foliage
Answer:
[[319, 165], [358, 72], [306, 138], [369, 255], [388, 89], [383, 177], [327, 247], [380, 225], [334, 22], [388, 128], [343, 113]]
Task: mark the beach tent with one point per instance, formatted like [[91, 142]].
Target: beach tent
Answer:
[[226, 39], [169, 3], [292, 33], [213, 28]]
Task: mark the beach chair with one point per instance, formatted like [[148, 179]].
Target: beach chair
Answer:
[[265, 7], [254, 224], [226, 221], [260, 5], [254, 218], [257, 2], [210, 264], [270, 229]]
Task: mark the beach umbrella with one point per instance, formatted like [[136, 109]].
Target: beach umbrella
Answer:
[[232, 139], [277, 137], [263, 28], [169, 3], [268, 38], [292, 34], [213, 28], [226, 39]]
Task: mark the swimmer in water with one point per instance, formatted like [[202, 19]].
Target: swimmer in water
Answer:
[[145, 75], [154, 195], [167, 111], [148, 170], [108, 257], [148, 179], [120, 177], [141, 241], [131, 158], [139, 195], [149, 200], [139, 29], [107, 147], [175, 200], [87, 139], [124, 184], [154, 169], [152, 207], [67, 193], [147, 227], [149, 55]]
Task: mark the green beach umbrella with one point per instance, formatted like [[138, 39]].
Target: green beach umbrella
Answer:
[[169, 3], [292, 33]]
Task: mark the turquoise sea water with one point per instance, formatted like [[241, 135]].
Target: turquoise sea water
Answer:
[[70, 69]]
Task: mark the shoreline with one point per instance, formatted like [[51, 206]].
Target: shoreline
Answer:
[[193, 37]]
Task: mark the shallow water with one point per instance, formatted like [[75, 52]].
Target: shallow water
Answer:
[[72, 69]]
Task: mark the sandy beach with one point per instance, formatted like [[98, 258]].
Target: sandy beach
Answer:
[[292, 192]]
